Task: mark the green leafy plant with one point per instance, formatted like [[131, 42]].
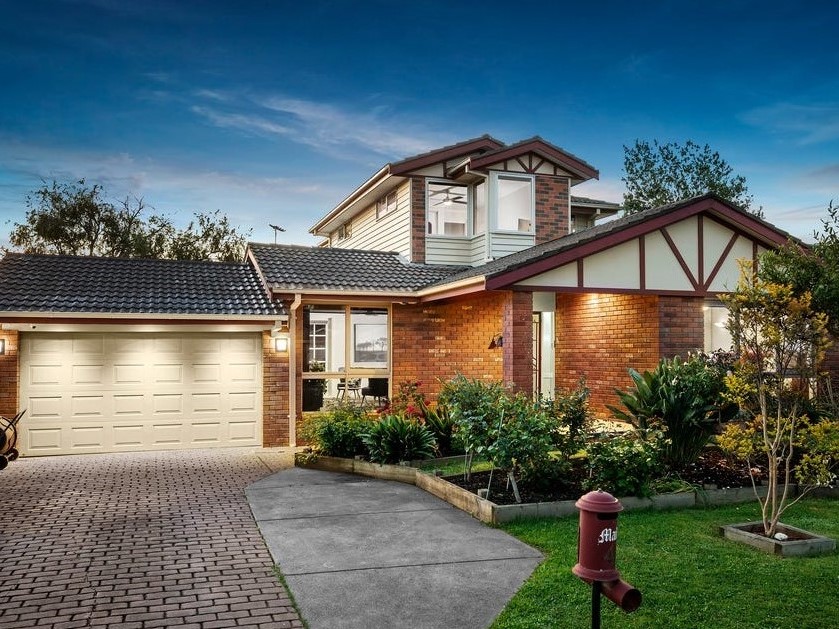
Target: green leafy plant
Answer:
[[439, 421], [407, 400], [624, 465], [476, 409], [337, 432], [572, 418], [396, 438], [683, 398]]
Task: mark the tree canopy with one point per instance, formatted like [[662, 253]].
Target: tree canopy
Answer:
[[76, 219], [657, 174], [814, 270]]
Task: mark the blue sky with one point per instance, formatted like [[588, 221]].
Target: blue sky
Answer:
[[274, 111]]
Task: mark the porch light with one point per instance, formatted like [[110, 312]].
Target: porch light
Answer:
[[281, 344], [2, 347], [496, 341]]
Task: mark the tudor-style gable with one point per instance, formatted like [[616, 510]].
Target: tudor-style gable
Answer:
[[465, 204]]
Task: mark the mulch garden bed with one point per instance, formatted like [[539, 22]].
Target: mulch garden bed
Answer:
[[711, 471]]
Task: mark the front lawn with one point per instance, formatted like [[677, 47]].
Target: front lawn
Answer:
[[689, 576]]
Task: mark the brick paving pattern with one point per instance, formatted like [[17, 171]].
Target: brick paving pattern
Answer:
[[152, 539]]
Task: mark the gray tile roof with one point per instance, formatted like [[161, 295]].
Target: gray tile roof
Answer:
[[46, 283], [291, 267]]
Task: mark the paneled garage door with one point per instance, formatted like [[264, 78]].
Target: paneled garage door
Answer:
[[114, 392]]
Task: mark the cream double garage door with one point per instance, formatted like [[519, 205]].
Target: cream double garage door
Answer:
[[115, 392]]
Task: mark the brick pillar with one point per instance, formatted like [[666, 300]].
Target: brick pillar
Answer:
[[9, 402], [553, 210], [418, 220], [518, 341], [274, 394]]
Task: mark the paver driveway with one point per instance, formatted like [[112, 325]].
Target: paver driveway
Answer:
[[152, 539]]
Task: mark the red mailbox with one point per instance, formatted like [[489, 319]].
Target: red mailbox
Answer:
[[596, 549], [596, 544]]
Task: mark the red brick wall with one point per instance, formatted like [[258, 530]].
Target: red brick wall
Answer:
[[274, 394], [601, 336], [9, 403], [518, 341], [681, 325], [439, 340], [418, 221], [552, 208]]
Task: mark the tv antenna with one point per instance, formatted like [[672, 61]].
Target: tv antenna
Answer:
[[276, 229]]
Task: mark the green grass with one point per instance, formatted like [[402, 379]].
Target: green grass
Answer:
[[689, 576], [456, 467]]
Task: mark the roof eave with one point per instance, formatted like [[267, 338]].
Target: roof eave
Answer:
[[376, 180]]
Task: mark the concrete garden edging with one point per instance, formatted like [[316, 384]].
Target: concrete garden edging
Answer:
[[491, 513]]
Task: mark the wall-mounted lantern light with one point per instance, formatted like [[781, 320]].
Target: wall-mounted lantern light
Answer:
[[281, 343], [496, 341], [2, 347]]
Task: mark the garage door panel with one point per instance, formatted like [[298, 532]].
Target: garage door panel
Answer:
[[125, 391], [168, 374]]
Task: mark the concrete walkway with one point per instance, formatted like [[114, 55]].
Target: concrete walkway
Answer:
[[369, 554]]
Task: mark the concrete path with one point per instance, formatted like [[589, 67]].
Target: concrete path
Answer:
[[369, 554], [135, 540]]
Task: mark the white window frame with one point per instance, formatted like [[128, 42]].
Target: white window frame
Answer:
[[493, 201], [387, 204], [445, 182]]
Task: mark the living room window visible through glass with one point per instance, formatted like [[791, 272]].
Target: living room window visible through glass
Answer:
[[447, 209]]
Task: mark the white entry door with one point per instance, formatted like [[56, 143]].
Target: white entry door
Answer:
[[113, 392]]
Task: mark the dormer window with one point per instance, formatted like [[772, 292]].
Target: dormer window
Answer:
[[514, 203], [447, 209], [386, 204]]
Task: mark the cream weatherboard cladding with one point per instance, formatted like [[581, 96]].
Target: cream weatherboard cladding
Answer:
[[113, 392], [391, 232]]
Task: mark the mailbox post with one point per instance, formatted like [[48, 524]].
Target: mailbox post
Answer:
[[596, 551]]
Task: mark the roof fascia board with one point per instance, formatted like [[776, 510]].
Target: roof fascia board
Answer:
[[73, 325], [567, 161], [454, 289], [19, 315], [445, 154], [344, 294], [363, 189]]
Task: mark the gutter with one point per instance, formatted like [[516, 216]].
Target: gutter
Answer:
[[363, 189], [29, 314]]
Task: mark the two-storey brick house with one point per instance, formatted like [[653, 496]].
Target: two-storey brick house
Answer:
[[474, 258]]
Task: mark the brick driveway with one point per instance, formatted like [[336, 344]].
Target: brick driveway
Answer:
[[152, 539]]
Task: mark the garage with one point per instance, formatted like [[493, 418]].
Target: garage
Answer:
[[116, 391]]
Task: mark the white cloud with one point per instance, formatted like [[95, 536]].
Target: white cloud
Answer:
[[812, 124]]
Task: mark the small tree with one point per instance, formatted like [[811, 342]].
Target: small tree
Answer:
[[656, 174], [781, 341]]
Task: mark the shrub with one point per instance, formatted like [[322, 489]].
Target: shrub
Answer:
[[396, 438], [408, 400], [522, 442], [624, 465], [439, 421], [573, 418], [337, 432], [684, 398], [475, 407]]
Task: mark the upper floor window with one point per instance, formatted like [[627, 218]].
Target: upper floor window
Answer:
[[479, 209], [386, 204], [447, 209], [514, 198], [344, 231]]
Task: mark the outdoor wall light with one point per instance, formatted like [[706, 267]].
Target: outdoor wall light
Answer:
[[281, 343], [496, 341], [2, 347]]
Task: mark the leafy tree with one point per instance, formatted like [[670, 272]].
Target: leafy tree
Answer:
[[75, 219], [657, 174], [781, 340], [814, 270]]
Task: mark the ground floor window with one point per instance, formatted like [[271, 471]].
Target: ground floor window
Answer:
[[346, 355]]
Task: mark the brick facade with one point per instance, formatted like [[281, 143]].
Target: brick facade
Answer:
[[418, 226], [433, 342], [274, 394], [9, 374], [681, 325], [518, 341], [553, 210], [601, 336]]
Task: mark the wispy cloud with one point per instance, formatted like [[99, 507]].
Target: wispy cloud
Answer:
[[811, 123], [337, 131]]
